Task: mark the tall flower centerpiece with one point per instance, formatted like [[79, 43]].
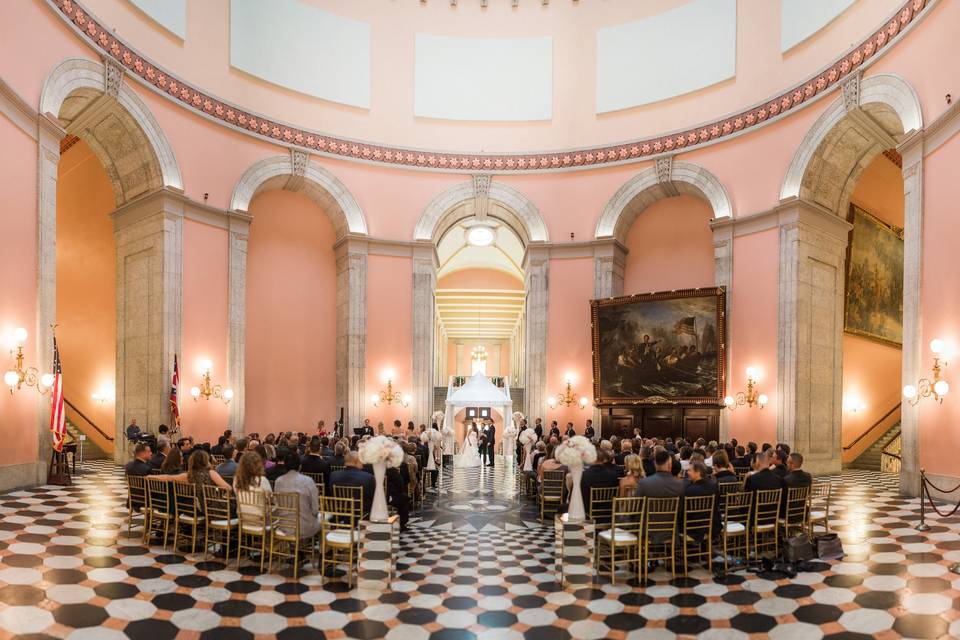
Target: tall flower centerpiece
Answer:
[[449, 442], [527, 437], [510, 441], [431, 438], [380, 452], [574, 453], [437, 417]]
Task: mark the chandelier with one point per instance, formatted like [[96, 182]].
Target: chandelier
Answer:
[[935, 386], [20, 375], [479, 353]]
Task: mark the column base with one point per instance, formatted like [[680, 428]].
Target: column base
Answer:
[[379, 544], [573, 554]]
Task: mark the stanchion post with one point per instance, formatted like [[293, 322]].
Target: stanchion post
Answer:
[[923, 526]]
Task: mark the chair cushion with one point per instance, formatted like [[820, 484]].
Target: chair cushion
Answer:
[[735, 527], [253, 528], [191, 519], [618, 535], [232, 522], [339, 536], [764, 527], [818, 515]]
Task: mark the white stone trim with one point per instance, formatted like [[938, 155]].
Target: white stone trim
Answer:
[[18, 110], [887, 89], [663, 180], [295, 173]]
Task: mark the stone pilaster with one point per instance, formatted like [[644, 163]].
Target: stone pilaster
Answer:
[[149, 243], [49, 134], [723, 277], [424, 322], [351, 329], [810, 345], [912, 151], [536, 270], [609, 257], [238, 236]]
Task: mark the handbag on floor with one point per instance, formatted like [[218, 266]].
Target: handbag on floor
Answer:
[[829, 547], [798, 549]]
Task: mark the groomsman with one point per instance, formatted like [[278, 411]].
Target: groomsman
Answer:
[[570, 431], [554, 430], [589, 431], [490, 436], [538, 429]]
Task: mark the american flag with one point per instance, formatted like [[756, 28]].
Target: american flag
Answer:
[[174, 406], [58, 424], [686, 326]]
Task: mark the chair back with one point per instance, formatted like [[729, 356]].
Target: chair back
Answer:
[[737, 507], [337, 467], [158, 495], [253, 507], [661, 518], [601, 504], [340, 512], [627, 514], [820, 494], [317, 480], [136, 492], [354, 493], [216, 460], [726, 488], [766, 508], [553, 483], [698, 517], [286, 513], [185, 501], [216, 503], [797, 507]]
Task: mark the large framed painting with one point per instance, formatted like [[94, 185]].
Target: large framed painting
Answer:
[[874, 304], [660, 348]]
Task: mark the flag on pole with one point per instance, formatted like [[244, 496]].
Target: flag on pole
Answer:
[[58, 424], [686, 326], [174, 406]]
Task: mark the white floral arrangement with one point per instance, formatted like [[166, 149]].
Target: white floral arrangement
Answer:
[[528, 436], [447, 432], [576, 451], [430, 435], [437, 417], [510, 432], [381, 449]]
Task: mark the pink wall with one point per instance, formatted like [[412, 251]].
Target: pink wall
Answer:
[[752, 332], [670, 247], [871, 370], [18, 304], [480, 279], [204, 327], [389, 332], [86, 288], [940, 299], [568, 339], [291, 318]]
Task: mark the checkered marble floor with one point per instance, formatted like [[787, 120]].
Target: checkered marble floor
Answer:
[[68, 569]]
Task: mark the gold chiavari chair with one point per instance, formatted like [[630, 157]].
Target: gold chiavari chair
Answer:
[[620, 543], [551, 491], [796, 511], [285, 541], [742, 473], [221, 524], [660, 533], [216, 461], [697, 536], [187, 513], [317, 480], [339, 534], [601, 506], [737, 508], [337, 467], [159, 507], [256, 524], [353, 493], [136, 502], [820, 494], [763, 528]]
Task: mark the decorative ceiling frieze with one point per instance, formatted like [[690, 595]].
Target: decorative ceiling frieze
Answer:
[[187, 95]]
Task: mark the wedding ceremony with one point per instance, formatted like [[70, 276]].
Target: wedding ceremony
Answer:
[[479, 319]]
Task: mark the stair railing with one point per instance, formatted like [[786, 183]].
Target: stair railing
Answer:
[[87, 420], [873, 426]]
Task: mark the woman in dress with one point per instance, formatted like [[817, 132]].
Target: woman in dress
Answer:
[[470, 455], [251, 476]]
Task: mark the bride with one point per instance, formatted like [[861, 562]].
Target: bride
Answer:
[[469, 455]]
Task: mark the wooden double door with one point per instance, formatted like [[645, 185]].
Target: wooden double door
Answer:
[[662, 422]]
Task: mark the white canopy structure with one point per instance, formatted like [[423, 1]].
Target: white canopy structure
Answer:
[[478, 391]]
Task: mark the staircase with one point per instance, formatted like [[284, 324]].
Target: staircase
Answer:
[[870, 459], [90, 450]]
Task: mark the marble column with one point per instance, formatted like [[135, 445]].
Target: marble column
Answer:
[[536, 270], [351, 330], [424, 306], [723, 277], [149, 244], [239, 234], [813, 245], [609, 258]]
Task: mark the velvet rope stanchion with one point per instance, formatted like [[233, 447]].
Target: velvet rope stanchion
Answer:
[[923, 526], [925, 486]]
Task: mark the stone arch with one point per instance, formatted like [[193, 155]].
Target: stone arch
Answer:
[[668, 178], [296, 172], [90, 100], [523, 216], [873, 115]]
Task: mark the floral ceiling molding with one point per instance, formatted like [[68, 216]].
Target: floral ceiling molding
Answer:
[[107, 43]]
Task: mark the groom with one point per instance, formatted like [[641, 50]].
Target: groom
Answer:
[[490, 438]]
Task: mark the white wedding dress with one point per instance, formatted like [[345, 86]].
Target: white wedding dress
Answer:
[[470, 456]]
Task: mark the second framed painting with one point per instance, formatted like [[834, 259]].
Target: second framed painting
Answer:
[[874, 305], [660, 348]]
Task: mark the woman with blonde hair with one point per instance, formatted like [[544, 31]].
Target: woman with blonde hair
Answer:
[[250, 475], [628, 483]]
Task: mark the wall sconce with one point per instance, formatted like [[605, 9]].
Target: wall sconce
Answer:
[[388, 395], [749, 397], [935, 386], [854, 404], [104, 394], [207, 388], [568, 397], [20, 375]]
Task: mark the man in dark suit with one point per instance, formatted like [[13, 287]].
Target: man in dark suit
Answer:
[[366, 429], [662, 484], [354, 476], [570, 432], [538, 429], [763, 479], [491, 437], [140, 465], [339, 451], [599, 474], [163, 448], [796, 476], [554, 430], [313, 462], [780, 463], [589, 432], [626, 449], [698, 484], [325, 450], [397, 493]]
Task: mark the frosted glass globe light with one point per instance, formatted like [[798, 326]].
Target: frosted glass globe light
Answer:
[[11, 378], [941, 388], [46, 380], [728, 401], [19, 335], [763, 399], [480, 236], [195, 392], [228, 394], [909, 391], [936, 345]]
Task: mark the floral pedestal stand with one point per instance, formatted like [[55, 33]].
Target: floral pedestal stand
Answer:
[[379, 545], [573, 558]]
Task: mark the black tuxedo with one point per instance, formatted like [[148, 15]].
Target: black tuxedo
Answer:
[[571, 432], [489, 443], [589, 433], [356, 478], [555, 432], [539, 431]]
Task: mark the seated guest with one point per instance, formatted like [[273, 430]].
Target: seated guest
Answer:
[[292, 481], [646, 459], [227, 468], [741, 461], [549, 463], [698, 457], [539, 453], [626, 449], [698, 484], [173, 463], [685, 454], [662, 484], [763, 478], [250, 476], [313, 462], [751, 453], [199, 474], [217, 449], [163, 449], [628, 483], [780, 463], [140, 465], [353, 475], [397, 495], [783, 446], [265, 456], [339, 451], [722, 470], [796, 476], [325, 450], [602, 473]]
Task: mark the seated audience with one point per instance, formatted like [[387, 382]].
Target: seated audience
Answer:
[[198, 473], [634, 473], [140, 465], [796, 476], [353, 475], [314, 462], [292, 481], [549, 463], [602, 473], [217, 449], [763, 478], [698, 484], [626, 449], [173, 463], [163, 449], [723, 472], [780, 463], [227, 468], [662, 484], [250, 476]]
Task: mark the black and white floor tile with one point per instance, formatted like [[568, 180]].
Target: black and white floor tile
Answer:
[[474, 564]]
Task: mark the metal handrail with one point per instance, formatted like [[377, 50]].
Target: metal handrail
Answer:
[[88, 420], [872, 427]]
